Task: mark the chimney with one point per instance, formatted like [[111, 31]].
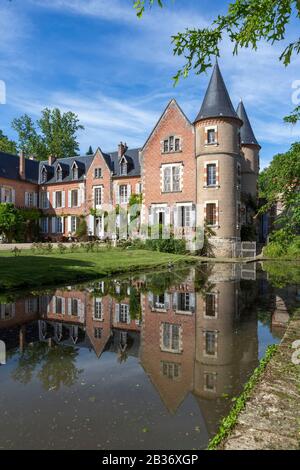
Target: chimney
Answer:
[[22, 165], [51, 159], [122, 149]]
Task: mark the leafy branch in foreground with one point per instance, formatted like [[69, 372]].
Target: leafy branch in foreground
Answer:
[[139, 5], [247, 23]]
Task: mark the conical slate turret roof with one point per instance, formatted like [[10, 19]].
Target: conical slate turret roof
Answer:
[[217, 102], [247, 134]]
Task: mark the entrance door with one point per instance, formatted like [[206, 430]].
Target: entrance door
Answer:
[[161, 218]]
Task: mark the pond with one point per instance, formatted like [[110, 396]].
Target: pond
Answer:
[[151, 361]]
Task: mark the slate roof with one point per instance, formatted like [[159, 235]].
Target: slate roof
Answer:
[[133, 163], [216, 102], [83, 163], [9, 168], [247, 134]]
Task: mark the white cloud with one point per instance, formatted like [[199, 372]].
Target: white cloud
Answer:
[[138, 52], [106, 119]]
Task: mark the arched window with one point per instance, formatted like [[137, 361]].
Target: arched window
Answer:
[[44, 175], [124, 168], [74, 172], [59, 173]]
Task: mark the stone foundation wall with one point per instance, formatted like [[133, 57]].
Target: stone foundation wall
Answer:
[[224, 247]]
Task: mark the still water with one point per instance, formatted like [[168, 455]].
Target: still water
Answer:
[[147, 362]]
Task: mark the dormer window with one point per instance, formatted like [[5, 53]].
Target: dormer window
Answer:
[[74, 172], [59, 173], [124, 168], [172, 144], [44, 175]]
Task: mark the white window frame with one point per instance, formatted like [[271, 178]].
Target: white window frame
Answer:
[[124, 198], [7, 195], [169, 347], [71, 195], [209, 129], [61, 199], [124, 311], [44, 200], [178, 207], [98, 309], [73, 223], [98, 190], [75, 172], [206, 164], [59, 171], [171, 167]]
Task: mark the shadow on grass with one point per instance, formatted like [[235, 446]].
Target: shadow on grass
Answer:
[[23, 272]]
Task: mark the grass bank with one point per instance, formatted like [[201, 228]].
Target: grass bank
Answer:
[[229, 422], [29, 270]]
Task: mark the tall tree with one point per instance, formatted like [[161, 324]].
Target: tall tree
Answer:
[[247, 23], [55, 133], [59, 132], [90, 151], [7, 145], [29, 141], [280, 183]]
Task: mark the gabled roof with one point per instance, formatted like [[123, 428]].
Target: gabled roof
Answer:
[[217, 102], [173, 102], [246, 132], [9, 168]]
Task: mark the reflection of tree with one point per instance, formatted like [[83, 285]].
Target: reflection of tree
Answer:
[[202, 274], [59, 368], [282, 274], [135, 304], [57, 365], [160, 282], [32, 356]]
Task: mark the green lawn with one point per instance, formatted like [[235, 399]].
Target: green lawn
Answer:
[[28, 270]]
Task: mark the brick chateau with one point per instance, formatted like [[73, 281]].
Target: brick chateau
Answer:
[[186, 173]]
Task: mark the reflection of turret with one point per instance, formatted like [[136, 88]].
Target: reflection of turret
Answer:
[[215, 334], [226, 349]]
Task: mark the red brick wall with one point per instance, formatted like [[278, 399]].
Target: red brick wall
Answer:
[[132, 181], [104, 181], [173, 122], [20, 188], [172, 392], [92, 323]]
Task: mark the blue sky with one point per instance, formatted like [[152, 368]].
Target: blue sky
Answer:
[[96, 58]]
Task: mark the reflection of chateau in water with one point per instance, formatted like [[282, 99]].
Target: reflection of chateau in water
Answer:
[[194, 332]]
